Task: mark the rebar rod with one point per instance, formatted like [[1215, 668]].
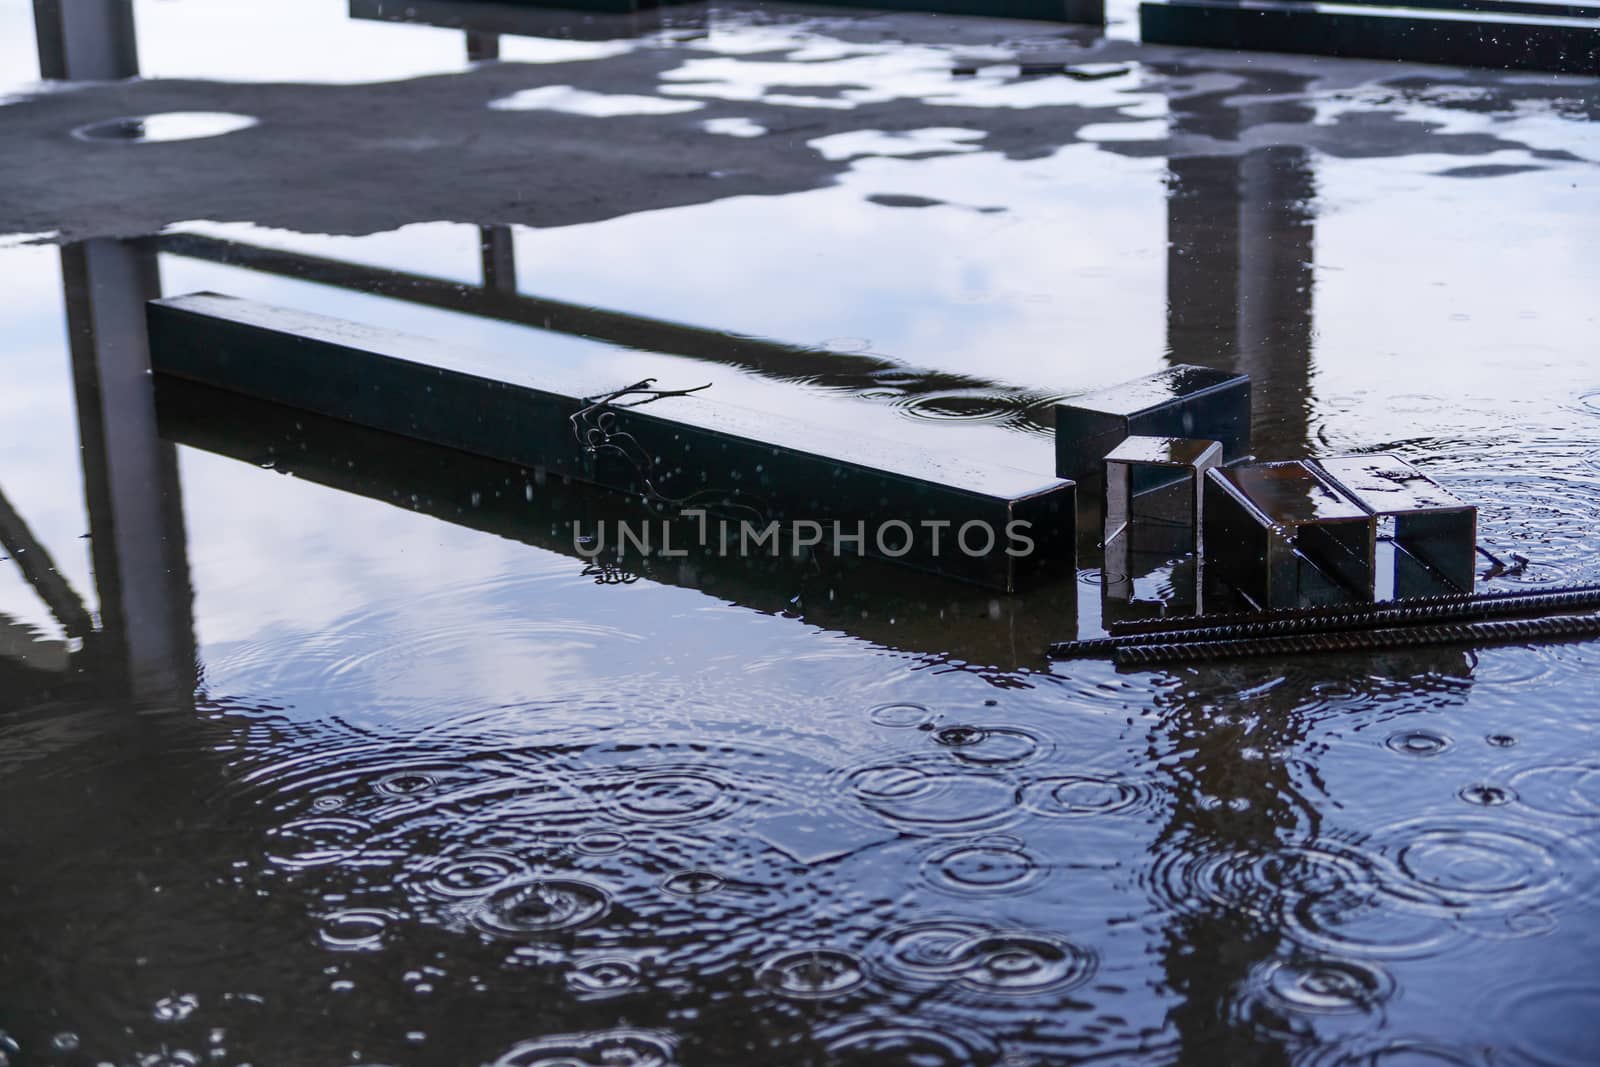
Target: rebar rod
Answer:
[[1366, 618], [1514, 631], [1197, 622]]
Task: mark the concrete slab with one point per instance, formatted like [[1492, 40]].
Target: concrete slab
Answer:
[[444, 153]]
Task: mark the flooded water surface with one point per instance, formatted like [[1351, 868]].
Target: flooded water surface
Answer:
[[319, 746]]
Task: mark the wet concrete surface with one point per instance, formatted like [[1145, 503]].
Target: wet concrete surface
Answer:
[[363, 764], [459, 147]]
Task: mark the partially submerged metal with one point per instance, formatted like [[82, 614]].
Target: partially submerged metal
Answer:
[[1283, 534], [1154, 496], [678, 447], [1550, 35], [1421, 532], [1142, 464], [1182, 401]]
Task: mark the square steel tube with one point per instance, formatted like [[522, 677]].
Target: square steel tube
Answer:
[[1423, 520], [1089, 11], [1130, 537], [1513, 36], [1182, 401], [691, 450], [597, 20], [1185, 456], [1283, 535]]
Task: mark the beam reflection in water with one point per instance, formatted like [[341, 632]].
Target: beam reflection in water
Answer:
[[940, 621]]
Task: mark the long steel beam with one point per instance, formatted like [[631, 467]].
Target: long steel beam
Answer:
[[1508, 40], [687, 449]]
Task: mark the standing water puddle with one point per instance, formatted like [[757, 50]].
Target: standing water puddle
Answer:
[[173, 126], [361, 763]]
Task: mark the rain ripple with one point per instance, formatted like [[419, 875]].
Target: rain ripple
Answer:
[[317, 842], [469, 874], [673, 797], [1555, 1023], [879, 1045], [1570, 789], [1326, 986], [604, 976], [981, 960], [1417, 743], [901, 716], [1189, 881], [918, 796], [611, 1048], [356, 930], [992, 746], [1082, 795], [542, 906], [694, 883], [1478, 863], [812, 974], [989, 866]]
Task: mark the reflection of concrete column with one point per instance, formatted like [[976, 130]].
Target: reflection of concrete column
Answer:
[[482, 47], [1203, 262], [86, 40], [130, 475], [1276, 235], [499, 258], [1239, 233], [1239, 281]]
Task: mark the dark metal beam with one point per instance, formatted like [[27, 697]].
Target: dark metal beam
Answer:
[[685, 451], [501, 18], [1503, 40]]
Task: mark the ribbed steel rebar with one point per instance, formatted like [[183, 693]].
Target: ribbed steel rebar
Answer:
[[1503, 631], [1368, 617], [1149, 626]]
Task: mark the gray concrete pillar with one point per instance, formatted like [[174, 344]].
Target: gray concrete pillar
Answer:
[[86, 40]]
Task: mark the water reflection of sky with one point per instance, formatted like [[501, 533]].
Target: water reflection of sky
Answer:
[[38, 428]]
